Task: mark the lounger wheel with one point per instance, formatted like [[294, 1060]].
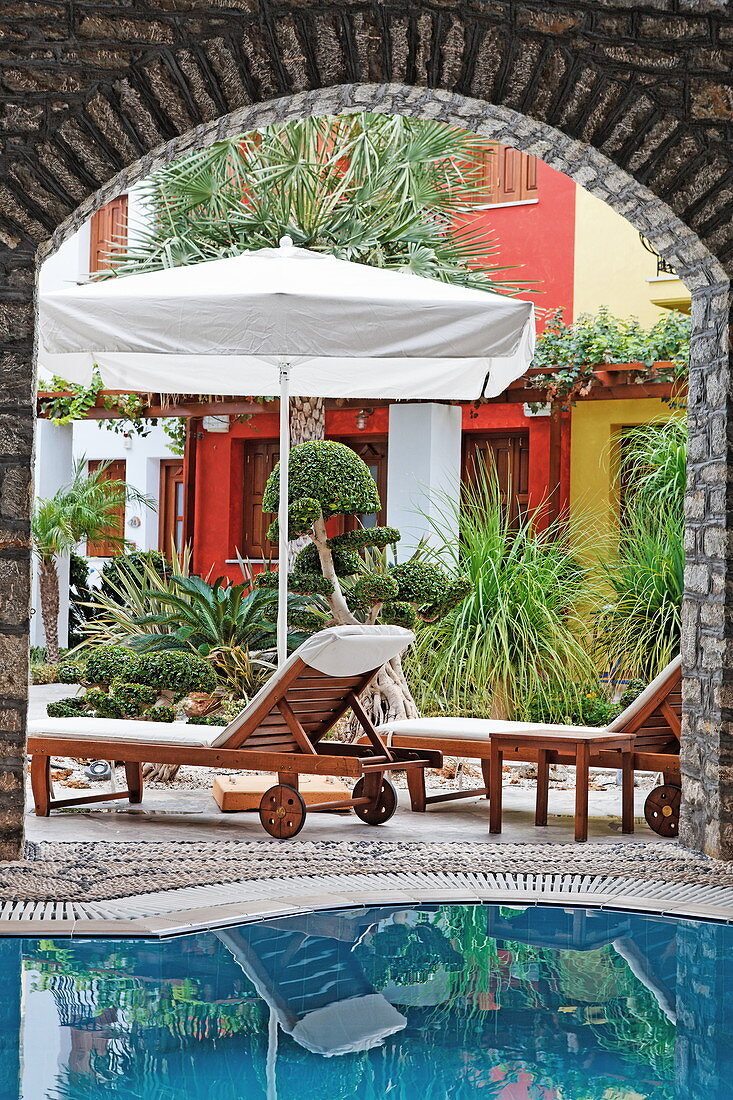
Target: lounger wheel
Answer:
[[282, 812], [662, 809], [383, 807]]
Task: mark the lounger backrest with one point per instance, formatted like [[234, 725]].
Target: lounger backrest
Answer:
[[654, 716], [316, 683]]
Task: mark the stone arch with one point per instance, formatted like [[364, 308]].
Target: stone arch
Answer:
[[632, 104]]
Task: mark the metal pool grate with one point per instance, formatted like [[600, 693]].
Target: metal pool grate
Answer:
[[190, 908]]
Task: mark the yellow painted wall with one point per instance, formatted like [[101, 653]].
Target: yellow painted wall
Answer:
[[612, 267], [595, 427]]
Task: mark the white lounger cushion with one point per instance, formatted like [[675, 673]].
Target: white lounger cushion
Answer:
[[120, 729], [470, 729], [478, 729], [347, 1027]]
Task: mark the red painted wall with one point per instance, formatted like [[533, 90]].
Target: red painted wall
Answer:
[[537, 243]]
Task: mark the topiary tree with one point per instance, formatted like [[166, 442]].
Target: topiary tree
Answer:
[[328, 479]]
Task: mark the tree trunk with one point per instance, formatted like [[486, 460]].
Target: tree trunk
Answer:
[[48, 583], [160, 773], [388, 697], [307, 419], [307, 422]]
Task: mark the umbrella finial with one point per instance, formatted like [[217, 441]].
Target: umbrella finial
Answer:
[[286, 243]]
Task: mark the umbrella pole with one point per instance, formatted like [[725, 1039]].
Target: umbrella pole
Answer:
[[282, 516]]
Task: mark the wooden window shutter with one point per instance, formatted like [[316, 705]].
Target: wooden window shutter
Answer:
[[511, 176], [115, 471], [108, 233]]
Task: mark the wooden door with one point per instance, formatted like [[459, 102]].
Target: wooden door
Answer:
[[107, 233], [507, 455], [102, 548], [260, 457], [170, 508]]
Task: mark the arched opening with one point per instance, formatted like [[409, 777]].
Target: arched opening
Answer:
[[705, 614]]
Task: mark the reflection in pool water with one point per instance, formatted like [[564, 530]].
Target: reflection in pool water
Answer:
[[418, 1003]]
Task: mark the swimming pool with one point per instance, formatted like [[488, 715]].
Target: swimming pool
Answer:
[[406, 1003]]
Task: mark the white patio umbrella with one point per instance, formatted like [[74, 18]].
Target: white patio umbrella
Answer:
[[292, 322]]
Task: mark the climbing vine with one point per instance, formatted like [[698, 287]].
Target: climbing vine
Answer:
[[568, 355], [66, 401]]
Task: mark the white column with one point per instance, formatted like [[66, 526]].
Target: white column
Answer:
[[423, 471], [53, 469]]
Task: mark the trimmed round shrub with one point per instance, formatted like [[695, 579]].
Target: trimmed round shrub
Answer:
[[420, 582], [307, 584], [345, 562], [175, 671], [140, 694], [109, 707], [366, 536], [398, 613], [266, 580], [304, 619], [161, 713], [111, 662], [70, 707], [329, 473], [301, 516], [95, 697], [373, 588], [70, 672]]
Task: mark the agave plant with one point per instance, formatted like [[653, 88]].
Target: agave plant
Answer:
[[207, 616]]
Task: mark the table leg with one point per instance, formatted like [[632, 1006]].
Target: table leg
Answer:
[[486, 773], [627, 792], [582, 757], [496, 760], [543, 783]]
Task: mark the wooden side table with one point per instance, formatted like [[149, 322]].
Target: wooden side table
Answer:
[[579, 746]]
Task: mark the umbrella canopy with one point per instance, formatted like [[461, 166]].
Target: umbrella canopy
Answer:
[[348, 330], [287, 321]]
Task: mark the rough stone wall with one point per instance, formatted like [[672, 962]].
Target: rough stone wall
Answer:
[[633, 98]]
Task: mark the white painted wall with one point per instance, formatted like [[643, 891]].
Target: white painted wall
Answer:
[[423, 471], [90, 439]]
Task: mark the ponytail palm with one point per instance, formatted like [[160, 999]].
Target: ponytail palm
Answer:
[[83, 510], [519, 631]]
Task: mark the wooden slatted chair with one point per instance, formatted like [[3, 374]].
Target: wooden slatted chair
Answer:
[[281, 730], [314, 985], [654, 720]]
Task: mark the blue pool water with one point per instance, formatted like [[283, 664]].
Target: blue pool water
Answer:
[[415, 1003]]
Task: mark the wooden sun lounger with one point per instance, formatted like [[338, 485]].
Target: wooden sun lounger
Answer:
[[653, 721], [281, 730]]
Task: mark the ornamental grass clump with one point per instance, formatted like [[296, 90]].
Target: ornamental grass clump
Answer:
[[638, 627], [518, 633]]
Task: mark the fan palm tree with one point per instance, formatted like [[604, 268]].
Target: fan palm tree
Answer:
[[374, 189], [83, 509]]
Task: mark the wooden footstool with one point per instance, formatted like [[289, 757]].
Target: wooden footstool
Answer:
[[578, 746]]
